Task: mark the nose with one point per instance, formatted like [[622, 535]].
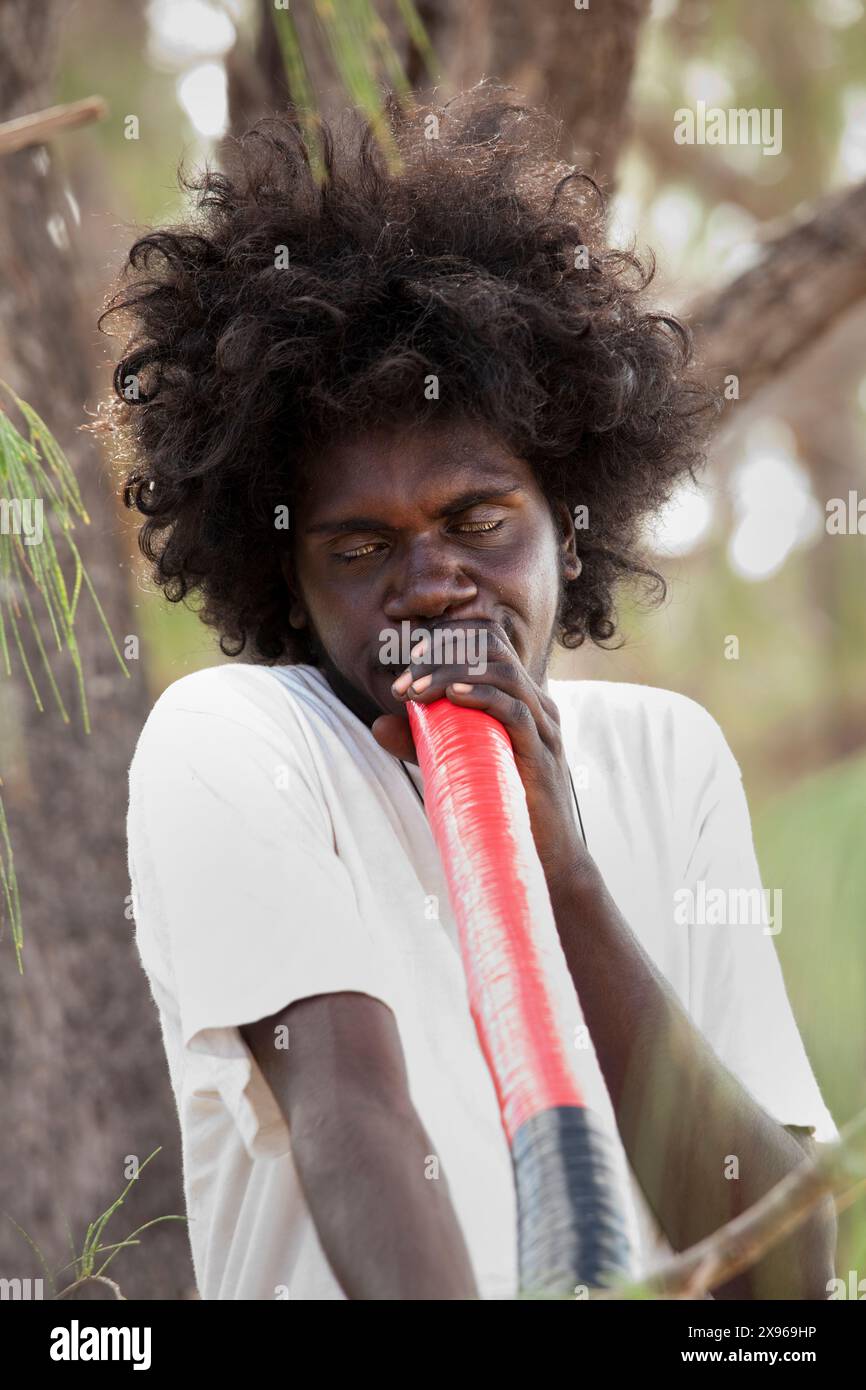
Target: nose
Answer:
[[430, 582]]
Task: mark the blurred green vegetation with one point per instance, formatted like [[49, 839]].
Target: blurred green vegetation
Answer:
[[810, 844]]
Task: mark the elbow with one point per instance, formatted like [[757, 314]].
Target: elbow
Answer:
[[800, 1268], [819, 1253]]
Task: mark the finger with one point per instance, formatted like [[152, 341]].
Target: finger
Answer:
[[422, 661], [513, 713], [435, 679], [509, 678]]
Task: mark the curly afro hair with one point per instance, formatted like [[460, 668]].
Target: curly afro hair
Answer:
[[313, 292]]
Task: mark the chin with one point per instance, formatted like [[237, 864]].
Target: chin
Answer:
[[379, 692]]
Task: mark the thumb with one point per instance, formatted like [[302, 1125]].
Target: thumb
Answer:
[[394, 735]]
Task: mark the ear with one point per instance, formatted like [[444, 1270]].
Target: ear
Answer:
[[298, 617], [571, 561]]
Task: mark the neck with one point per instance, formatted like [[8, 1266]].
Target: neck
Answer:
[[355, 700]]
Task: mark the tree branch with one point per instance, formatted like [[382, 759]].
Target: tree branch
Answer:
[[41, 126], [809, 273]]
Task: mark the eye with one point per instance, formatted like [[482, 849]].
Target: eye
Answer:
[[480, 525], [361, 552]]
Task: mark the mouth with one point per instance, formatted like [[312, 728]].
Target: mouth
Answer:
[[388, 672], [391, 670]]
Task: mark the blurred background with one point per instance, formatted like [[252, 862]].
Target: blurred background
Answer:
[[764, 253]]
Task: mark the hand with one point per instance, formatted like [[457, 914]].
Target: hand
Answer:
[[531, 719]]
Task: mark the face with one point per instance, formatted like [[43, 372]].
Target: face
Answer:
[[426, 528]]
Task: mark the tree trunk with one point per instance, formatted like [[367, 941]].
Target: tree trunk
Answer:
[[579, 62], [84, 1082]]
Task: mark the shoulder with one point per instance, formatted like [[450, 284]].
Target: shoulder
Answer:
[[231, 686], [228, 741], [235, 690], [674, 733], [629, 704], [240, 703]]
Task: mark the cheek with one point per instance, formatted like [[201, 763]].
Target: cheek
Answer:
[[540, 574], [334, 612], [333, 620], [314, 592]]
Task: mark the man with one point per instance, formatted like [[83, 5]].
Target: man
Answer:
[[426, 402]]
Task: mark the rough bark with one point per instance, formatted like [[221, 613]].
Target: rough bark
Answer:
[[578, 62], [84, 1082], [255, 75]]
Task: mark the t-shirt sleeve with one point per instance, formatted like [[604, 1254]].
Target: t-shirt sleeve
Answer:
[[238, 887], [737, 991]]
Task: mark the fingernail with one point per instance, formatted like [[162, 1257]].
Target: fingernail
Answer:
[[418, 650], [420, 685], [461, 687], [402, 683]]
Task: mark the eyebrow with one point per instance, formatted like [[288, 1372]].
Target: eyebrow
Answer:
[[458, 504]]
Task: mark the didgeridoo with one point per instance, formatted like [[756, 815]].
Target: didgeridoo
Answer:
[[572, 1202]]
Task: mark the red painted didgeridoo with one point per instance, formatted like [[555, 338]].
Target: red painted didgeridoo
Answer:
[[572, 1226]]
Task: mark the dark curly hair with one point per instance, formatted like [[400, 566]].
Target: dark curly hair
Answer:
[[315, 289]]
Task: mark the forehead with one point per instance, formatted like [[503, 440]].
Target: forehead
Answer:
[[411, 468]]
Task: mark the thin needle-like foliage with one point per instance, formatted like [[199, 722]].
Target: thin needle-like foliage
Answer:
[[365, 58], [38, 489], [83, 1264]]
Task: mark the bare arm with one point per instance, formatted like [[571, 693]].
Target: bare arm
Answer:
[[683, 1117], [388, 1230]]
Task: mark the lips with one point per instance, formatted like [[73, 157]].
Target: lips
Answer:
[[465, 623]]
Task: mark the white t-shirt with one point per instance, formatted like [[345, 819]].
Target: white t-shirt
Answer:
[[277, 852]]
